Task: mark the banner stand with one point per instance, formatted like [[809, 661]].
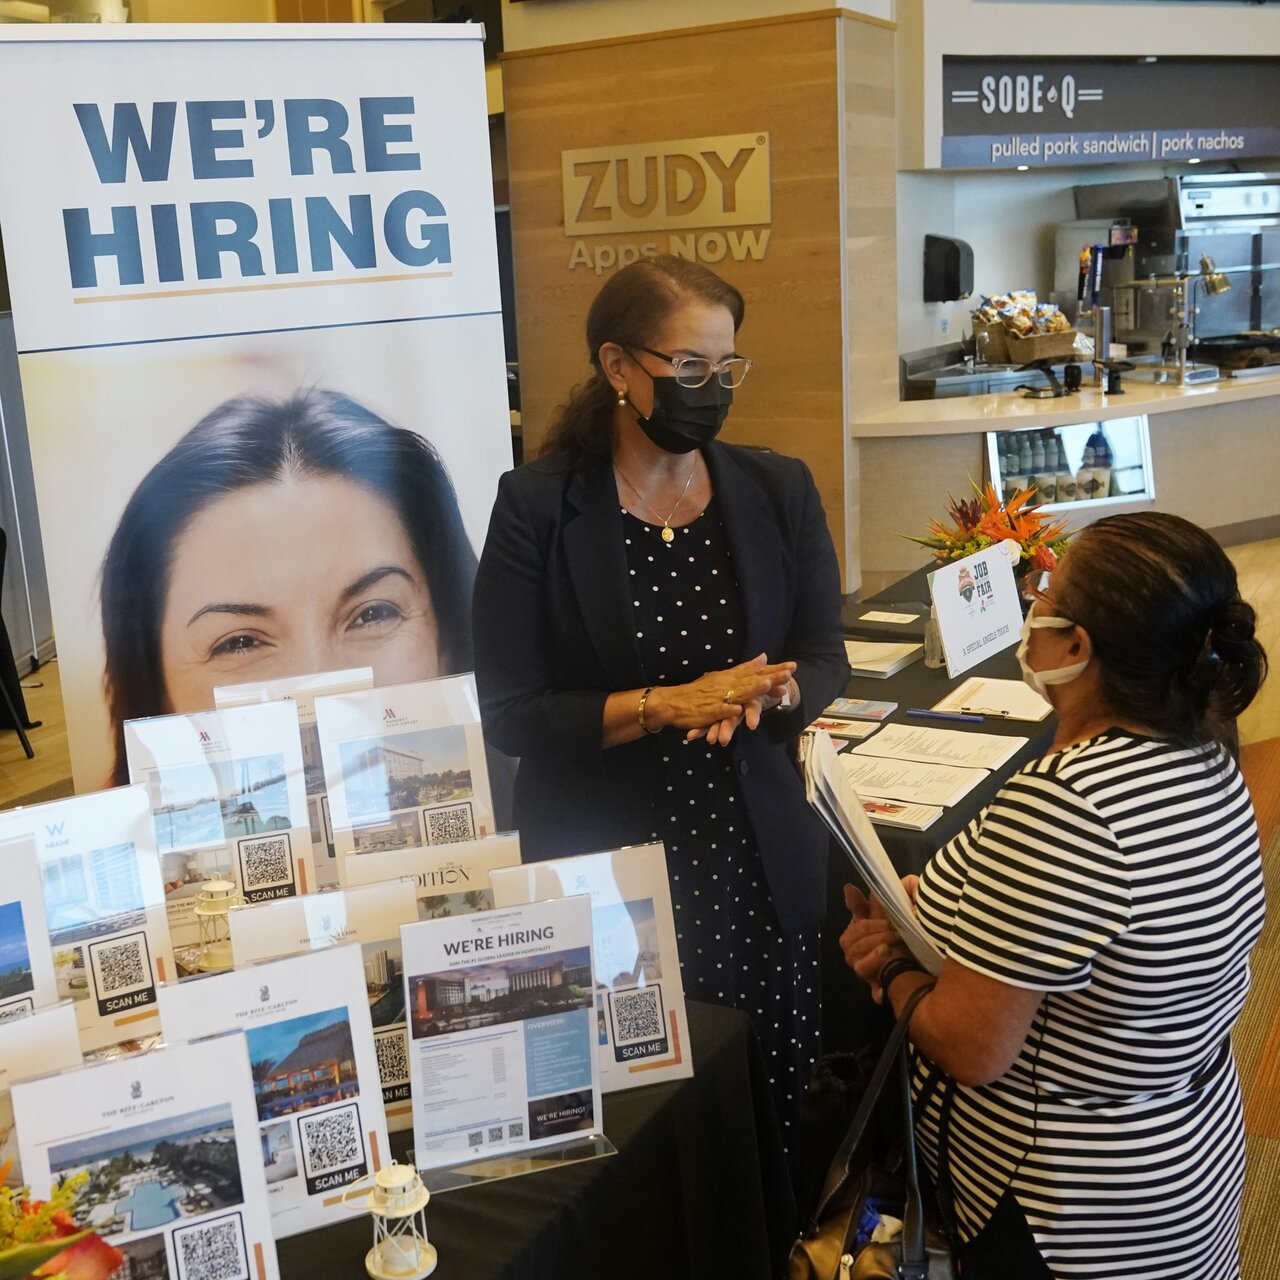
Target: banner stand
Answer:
[[595, 1146]]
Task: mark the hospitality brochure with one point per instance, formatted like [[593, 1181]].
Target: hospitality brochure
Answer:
[[1004, 699], [227, 794], [370, 915], [39, 1044], [450, 880], [168, 1144], [850, 730], [303, 691], [860, 709], [839, 806], [27, 979], [962, 747], [501, 1028], [894, 813], [642, 1032], [405, 766], [909, 780], [104, 908], [979, 611], [315, 1074]]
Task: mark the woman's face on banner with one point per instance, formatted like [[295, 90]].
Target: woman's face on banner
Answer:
[[314, 573]]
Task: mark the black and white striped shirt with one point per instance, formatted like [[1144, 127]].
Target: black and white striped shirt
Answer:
[[1122, 877]]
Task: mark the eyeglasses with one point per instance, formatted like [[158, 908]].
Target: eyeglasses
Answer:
[[696, 371]]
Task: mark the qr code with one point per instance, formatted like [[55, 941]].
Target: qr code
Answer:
[[267, 863], [449, 824], [495, 1133], [515, 1129], [637, 1015], [212, 1251], [476, 1138], [121, 966], [331, 1141], [393, 1057]]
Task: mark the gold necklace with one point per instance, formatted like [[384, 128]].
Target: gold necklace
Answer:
[[668, 533]]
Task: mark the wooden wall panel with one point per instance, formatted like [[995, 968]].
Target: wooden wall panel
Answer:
[[781, 77]]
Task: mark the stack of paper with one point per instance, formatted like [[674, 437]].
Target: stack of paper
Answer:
[[880, 661], [909, 780], [829, 791], [957, 747]]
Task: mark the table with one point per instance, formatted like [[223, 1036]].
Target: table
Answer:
[[698, 1188]]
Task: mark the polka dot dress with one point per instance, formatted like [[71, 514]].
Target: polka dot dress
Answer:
[[732, 950]]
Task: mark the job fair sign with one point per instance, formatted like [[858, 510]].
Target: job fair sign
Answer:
[[256, 298]]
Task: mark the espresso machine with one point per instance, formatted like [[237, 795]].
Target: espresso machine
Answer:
[[1185, 266]]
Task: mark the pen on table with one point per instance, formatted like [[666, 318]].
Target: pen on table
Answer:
[[988, 711], [925, 714]]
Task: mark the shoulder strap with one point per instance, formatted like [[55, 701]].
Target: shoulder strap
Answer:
[[838, 1173]]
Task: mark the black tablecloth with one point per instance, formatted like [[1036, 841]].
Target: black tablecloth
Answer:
[[698, 1188]]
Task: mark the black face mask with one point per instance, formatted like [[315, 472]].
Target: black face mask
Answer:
[[685, 418]]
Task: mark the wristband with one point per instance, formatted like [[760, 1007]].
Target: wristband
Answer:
[[644, 698], [895, 969]]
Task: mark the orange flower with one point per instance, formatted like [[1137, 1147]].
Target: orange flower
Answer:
[[89, 1259]]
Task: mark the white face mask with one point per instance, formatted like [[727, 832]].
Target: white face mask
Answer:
[[1040, 680]]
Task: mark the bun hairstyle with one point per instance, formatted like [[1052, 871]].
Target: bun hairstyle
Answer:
[[630, 309], [1175, 643]]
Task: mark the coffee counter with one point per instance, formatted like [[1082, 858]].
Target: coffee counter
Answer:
[[965, 415]]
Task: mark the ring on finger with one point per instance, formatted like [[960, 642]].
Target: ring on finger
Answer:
[[728, 695]]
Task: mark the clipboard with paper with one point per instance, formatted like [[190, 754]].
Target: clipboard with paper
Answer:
[[840, 808]]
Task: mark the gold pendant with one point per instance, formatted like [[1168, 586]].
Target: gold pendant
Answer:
[[668, 533]]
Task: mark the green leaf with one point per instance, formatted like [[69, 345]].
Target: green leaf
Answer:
[[23, 1259]]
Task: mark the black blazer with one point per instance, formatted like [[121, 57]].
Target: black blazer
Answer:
[[555, 635]]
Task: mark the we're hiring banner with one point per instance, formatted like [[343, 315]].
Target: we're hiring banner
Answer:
[[255, 292]]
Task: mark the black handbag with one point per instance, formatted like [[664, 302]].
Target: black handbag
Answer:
[[826, 1248]]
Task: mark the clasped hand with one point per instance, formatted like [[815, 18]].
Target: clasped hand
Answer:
[[714, 705]]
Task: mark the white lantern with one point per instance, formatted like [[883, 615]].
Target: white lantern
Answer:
[[213, 902], [398, 1203]]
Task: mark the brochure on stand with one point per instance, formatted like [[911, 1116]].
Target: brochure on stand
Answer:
[[979, 611], [405, 766], [39, 1044], [451, 880], [961, 747], [104, 908], [370, 915], [909, 780], [229, 802], [303, 691], [839, 806], [502, 1027], [315, 1074], [27, 979], [642, 1033], [169, 1142]]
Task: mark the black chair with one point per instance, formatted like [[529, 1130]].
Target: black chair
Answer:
[[12, 702]]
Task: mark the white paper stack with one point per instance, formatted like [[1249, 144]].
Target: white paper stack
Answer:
[[829, 791]]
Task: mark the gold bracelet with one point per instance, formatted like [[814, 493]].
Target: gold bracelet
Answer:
[[644, 697]]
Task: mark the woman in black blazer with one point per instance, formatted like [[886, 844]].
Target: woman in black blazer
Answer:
[[657, 617]]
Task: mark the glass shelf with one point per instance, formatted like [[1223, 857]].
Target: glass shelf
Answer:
[[1054, 459]]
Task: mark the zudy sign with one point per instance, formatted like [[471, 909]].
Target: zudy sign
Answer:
[[710, 196]]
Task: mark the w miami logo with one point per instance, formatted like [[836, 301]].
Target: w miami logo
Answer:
[[54, 829]]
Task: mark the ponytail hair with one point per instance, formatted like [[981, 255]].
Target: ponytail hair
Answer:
[[1176, 645], [630, 309]]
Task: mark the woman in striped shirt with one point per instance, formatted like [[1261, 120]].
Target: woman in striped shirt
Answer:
[[1096, 921]]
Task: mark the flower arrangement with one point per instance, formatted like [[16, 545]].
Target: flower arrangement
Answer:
[[39, 1239], [983, 520]]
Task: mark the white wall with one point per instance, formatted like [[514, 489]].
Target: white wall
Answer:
[[553, 22]]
